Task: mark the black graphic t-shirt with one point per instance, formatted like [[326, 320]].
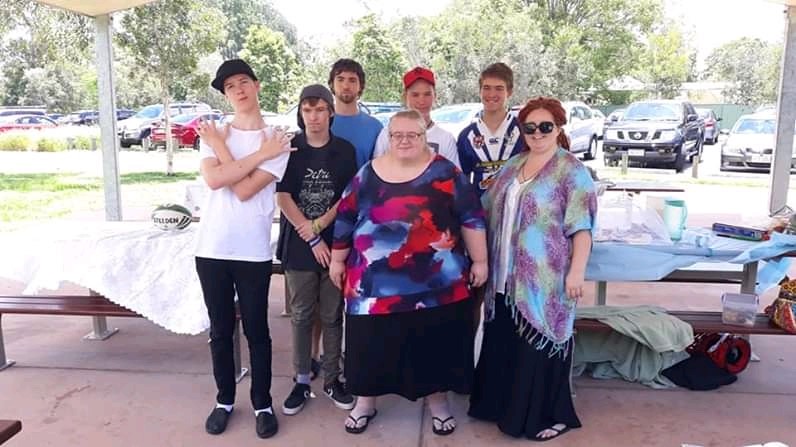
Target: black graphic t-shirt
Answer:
[[315, 179]]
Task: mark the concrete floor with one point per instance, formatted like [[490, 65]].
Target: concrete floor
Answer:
[[148, 387]]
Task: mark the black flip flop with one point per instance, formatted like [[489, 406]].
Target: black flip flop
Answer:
[[441, 431], [558, 433], [357, 429]]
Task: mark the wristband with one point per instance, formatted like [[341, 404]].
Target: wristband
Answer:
[[314, 242]]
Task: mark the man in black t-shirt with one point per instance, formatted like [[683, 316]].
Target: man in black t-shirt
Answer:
[[316, 175]]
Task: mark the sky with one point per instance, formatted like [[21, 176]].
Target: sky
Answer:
[[712, 22]]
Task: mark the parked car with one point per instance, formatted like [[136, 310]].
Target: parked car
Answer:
[[137, 128], [660, 131], [24, 122], [711, 125], [583, 129], [374, 108], [123, 114], [81, 117], [384, 117], [600, 117], [6, 111], [613, 117], [183, 128], [454, 118], [750, 143]]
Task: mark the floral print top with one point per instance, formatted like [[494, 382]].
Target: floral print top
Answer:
[[405, 241], [560, 201]]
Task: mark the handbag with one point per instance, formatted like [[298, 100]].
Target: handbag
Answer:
[[782, 312]]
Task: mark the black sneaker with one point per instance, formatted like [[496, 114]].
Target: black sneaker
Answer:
[[336, 391], [266, 424], [216, 423], [296, 400]]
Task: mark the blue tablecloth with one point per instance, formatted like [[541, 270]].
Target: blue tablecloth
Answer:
[[610, 261]]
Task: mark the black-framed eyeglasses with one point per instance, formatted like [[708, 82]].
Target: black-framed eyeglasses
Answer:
[[544, 127]]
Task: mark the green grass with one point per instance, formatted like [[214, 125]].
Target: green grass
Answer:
[[51, 195]]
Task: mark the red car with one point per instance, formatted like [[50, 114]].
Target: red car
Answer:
[[23, 122], [183, 128]]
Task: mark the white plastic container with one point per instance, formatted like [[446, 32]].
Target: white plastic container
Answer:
[[739, 309]]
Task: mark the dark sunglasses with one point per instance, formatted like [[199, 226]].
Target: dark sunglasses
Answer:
[[544, 127]]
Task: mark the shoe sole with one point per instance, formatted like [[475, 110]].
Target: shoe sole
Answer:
[[292, 411], [341, 405]]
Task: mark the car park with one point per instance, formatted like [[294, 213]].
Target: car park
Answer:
[[454, 118], [25, 122], [183, 130], [659, 131], [711, 135], [137, 128], [750, 143]]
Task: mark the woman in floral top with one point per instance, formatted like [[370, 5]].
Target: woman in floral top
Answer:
[[541, 211], [402, 228]]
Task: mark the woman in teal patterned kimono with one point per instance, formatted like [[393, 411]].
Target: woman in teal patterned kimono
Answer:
[[541, 211]]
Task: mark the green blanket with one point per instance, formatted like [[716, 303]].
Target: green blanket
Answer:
[[645, 341]]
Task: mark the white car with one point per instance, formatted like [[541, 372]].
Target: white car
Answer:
[[583, 129], [750, 143], [455, 118]]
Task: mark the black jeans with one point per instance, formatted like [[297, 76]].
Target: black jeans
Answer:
[[220, 280]]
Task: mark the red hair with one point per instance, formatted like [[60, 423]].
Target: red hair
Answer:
[[555, 108]]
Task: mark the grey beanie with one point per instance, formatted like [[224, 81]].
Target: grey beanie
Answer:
[[315, 91]]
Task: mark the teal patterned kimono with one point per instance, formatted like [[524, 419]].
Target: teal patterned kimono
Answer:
[[559, 202]]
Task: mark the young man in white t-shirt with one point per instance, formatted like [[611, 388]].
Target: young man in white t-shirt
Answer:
[[241, 164], [420, 94]]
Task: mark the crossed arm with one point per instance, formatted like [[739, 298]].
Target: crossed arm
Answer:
[[241, 176]]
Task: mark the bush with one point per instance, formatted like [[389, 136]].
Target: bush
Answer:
[[14, 141], [49, 144], [81, 143]]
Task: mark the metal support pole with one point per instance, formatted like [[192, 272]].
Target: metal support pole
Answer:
[[4, 362], [600, 292], [625, 161], [107, 118], [100, 326], [786, 115]]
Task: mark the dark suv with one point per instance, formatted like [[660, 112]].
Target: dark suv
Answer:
[[650, 132]]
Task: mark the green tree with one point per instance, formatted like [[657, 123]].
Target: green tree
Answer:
[[665, 63], [275, 65], [381, 57], [40, 41], [242, 14], [751, 66], [605, 35], [166, 40]]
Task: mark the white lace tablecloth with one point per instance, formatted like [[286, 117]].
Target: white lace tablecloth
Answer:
[[147, 270]]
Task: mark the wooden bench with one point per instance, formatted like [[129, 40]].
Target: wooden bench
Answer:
[[702, 322], [8, 429], [87, 305]]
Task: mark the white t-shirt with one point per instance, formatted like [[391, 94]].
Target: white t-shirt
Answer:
[[235, 230], [439, 139], [507, 226]]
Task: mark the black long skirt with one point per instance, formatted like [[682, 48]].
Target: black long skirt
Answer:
[[412, 354], [523, 389]]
